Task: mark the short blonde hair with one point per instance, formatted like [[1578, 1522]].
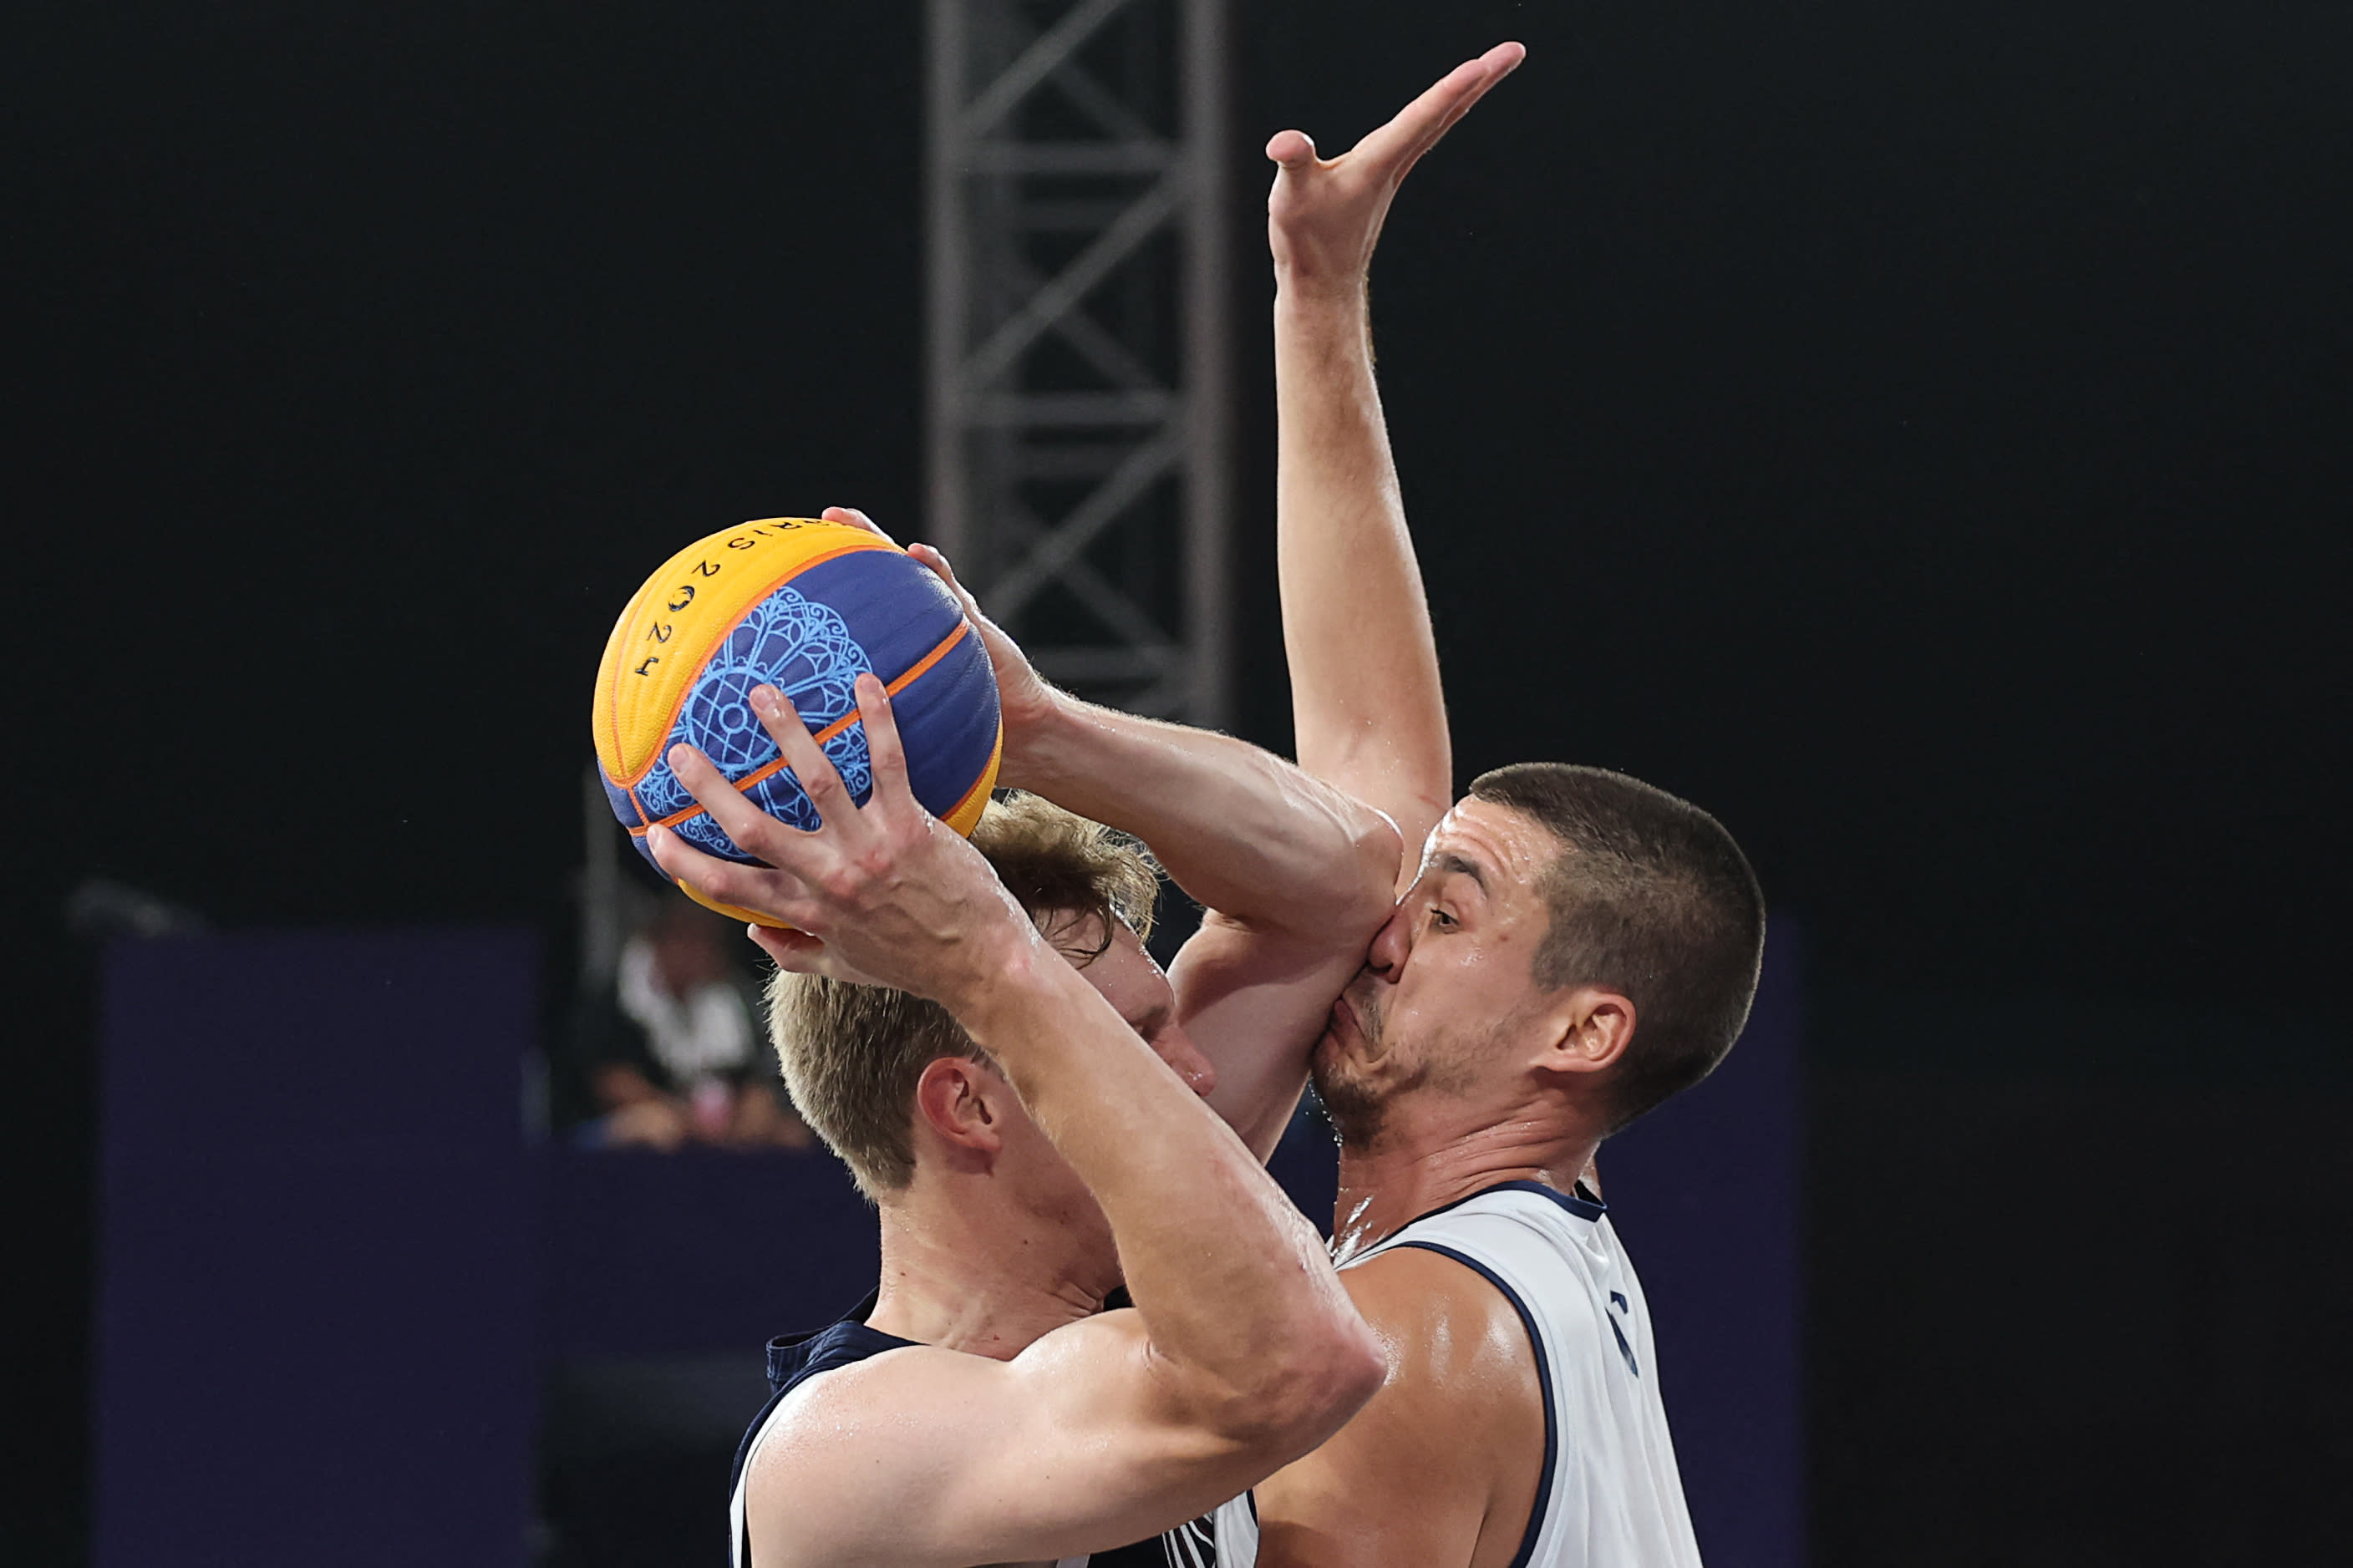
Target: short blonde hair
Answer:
[[852, 1054]]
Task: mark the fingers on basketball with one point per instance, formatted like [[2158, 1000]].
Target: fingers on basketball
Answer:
[[827, 796], [737, 817], [708, 875], [885, 752]]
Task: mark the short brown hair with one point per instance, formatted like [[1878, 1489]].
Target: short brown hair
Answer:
[[1651, 898], [852, 1054]]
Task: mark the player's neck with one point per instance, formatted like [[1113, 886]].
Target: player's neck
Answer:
[[1417, 1164], [940, 1289]]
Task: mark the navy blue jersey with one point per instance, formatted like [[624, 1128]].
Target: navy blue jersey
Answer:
[[794, 1359]]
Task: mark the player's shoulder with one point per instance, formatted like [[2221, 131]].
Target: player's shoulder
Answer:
[[842, 1453], [846, 1402], [1451, 1333], [887, 1394]]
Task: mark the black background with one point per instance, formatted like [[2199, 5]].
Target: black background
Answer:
[[1919, 434]]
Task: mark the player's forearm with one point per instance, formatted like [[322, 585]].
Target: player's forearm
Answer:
[[1366, 703], [1241, 830], [1234, 1286]]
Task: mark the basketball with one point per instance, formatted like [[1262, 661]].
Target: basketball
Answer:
[[806, 606]]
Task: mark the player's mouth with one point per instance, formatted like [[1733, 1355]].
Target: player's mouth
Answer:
[[1347, 1031]]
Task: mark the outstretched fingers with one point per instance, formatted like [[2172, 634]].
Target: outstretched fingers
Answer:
[[1418, 125], [1499, 62]]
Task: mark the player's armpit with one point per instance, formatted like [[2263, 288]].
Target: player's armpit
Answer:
[[926, 1456], [1440, 1468]]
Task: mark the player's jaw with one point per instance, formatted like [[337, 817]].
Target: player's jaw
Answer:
[[1355, 1071]]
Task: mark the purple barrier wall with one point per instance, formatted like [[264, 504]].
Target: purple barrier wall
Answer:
[[315, 1292], [705, 1253], [698, 1253], [1704, 1193]]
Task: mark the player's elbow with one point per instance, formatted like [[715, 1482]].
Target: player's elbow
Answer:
[[1309, 1393], [1368, 882]]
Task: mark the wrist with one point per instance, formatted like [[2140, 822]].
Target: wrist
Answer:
[[1011, 989], [1039, 740], [1317, 290]]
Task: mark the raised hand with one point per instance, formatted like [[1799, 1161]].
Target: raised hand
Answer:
[[1324, 215], [881, 894]]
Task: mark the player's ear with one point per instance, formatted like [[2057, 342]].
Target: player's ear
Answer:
[[957, 1105], [1588, 1028]]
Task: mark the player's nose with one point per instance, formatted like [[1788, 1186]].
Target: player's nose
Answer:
[[1391, 943]]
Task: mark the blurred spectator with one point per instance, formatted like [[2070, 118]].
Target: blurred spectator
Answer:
[[670, 1053]]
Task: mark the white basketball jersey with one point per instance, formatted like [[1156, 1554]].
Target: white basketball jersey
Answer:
[[1610, 1496]]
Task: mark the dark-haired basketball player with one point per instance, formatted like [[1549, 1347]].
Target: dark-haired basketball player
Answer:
[[1576, 948]]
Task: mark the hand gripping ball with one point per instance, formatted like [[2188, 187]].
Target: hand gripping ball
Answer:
[[805, 607]]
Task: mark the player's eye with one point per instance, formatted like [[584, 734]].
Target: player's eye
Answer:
[[1443, 921]]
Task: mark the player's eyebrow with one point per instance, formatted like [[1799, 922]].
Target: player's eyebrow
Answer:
[[1458, 864]]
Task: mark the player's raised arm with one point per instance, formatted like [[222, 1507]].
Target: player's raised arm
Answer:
[[1366, 700], [1243, 1352], [1295, 875]]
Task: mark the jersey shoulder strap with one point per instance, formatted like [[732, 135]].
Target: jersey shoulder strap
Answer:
[[793, 1360]]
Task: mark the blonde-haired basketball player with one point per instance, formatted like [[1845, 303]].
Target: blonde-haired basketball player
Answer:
[[1040, 1146]]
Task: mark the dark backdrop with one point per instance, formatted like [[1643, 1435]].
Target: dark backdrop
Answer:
[[1919, 434]]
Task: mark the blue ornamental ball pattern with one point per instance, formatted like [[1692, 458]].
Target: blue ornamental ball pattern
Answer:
[[803, 649]]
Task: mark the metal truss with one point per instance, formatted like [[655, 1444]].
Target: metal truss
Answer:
[[1077, 361]]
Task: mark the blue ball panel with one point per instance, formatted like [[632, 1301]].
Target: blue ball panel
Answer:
[[623, 806], [897, 610], [950, 710]]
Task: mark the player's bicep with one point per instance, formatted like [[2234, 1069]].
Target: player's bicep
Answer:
[[949, 1460]]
